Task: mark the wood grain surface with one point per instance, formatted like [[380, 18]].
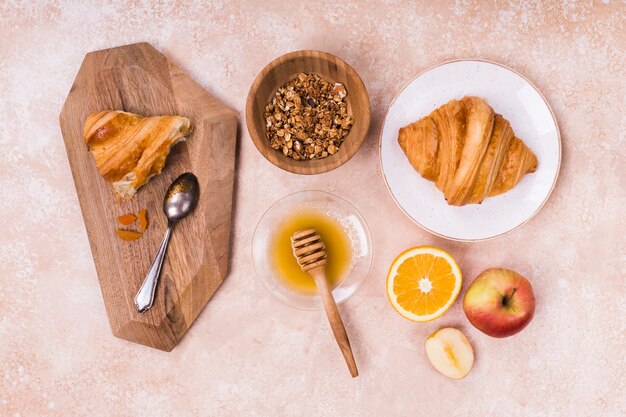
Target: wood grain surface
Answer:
[[287, 67], [137, 78]]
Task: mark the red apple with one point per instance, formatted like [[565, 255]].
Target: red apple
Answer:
[[499, 302]]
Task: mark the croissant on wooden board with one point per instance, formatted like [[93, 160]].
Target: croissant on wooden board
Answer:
[[130, 149], [467, 150]]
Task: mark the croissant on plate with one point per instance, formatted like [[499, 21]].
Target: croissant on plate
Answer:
[[467, 150], [130, 149]]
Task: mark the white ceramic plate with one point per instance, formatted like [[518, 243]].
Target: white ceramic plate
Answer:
[[509, 94]]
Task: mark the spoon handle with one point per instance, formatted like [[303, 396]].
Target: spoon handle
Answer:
[[145, 295]]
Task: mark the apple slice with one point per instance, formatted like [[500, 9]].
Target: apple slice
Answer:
[[450, 352]]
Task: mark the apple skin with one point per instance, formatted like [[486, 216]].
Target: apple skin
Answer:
[[499, 302]]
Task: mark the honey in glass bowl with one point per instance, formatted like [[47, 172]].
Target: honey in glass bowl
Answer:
[[338, 250]]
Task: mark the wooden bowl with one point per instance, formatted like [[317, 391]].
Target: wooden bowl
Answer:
[[282, 70]]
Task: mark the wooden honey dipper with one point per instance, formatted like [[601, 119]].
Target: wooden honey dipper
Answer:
[[310, 252]]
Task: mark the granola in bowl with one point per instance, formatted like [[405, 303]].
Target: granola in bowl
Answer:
[[308, 118]]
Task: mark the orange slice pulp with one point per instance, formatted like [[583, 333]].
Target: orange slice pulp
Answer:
[[423, 283]]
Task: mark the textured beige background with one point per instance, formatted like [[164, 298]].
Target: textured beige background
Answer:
[[246, 354]]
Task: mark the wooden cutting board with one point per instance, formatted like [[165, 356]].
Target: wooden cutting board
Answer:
[[138, 79]]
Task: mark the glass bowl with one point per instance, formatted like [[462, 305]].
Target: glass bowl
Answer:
[[334, 207]]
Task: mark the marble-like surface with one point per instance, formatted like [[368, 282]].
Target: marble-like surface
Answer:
[[248, 355]]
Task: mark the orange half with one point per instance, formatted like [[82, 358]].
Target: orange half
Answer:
[[423, 283]]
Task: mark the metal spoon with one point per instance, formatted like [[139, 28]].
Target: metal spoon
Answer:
[[180, 200]]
